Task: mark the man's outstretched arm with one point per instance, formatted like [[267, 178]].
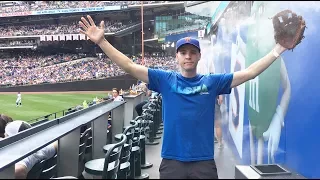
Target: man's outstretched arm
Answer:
[[257, 67], [96, 35], [138, 71]]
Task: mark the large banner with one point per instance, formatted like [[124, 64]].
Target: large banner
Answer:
[[273, 118], [75, 10], [60, 11], [26, 13]]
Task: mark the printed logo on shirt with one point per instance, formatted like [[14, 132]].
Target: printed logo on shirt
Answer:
[[202, 89]]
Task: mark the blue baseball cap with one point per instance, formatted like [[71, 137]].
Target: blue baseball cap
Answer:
[[187, 40]]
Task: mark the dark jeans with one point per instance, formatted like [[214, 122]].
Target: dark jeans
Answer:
[[139, 106], [172, 169]]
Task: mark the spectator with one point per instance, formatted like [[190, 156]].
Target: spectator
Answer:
[[139, 107], [24, 166], [4, 120], [116, 96]]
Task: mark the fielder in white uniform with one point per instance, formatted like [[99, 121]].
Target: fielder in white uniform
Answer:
[[18, 101]]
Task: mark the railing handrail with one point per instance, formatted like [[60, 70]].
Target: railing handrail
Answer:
[[48, 115]]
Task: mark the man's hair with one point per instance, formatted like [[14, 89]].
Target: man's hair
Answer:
[[4, 120], [115, 90]]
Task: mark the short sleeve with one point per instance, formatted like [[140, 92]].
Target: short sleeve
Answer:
[[49, 151], [158, 79], [45, 153], [224, 83]]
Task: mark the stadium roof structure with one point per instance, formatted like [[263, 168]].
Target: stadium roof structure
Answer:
[[158, 7]]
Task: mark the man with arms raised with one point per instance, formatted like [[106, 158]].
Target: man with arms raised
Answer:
[[189, 100]]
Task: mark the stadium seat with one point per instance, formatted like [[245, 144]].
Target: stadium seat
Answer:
[[88, 153], [65, 177], [157, 117], [125, 165], [45, 169], [135, 158], [82, 150], [107, 167], [151, 112], [145, 123]]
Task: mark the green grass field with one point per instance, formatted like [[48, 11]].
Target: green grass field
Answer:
[[37, 105]]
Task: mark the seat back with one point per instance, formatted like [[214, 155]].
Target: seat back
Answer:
[[50, 168], [88, 149], [137, 131], [146, 116], [126, 152], [44, 169], [129, 131], [83, 144], [112, 159], [152, 104], [83, 128], [36, 170], [89, 141]]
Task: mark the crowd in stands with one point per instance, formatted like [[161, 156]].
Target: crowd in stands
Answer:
[[36, 61], [23, 42], [144, 2], [63, 72], [53, 69], [21, 6], [166, 63], [50, 29]]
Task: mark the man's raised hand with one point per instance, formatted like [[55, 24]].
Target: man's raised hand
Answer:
[[96, 34]]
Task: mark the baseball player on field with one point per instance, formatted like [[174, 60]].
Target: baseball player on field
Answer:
[[18, 101]]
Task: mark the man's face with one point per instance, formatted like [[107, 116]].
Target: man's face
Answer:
[[188, 57]]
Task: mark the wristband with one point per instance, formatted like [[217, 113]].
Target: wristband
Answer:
[[275, 53]]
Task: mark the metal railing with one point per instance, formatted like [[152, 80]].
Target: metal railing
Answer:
[[59, 114]]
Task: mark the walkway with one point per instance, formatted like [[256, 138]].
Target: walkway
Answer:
[[224, 160]]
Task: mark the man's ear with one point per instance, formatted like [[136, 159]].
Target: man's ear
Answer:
[[199, 57]]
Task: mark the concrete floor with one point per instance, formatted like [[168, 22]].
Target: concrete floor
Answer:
[[224, 160]]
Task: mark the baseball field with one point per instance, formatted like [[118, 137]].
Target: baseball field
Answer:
[[37, 104]]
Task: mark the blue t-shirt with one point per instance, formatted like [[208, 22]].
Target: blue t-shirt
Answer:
[[188, 112]]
